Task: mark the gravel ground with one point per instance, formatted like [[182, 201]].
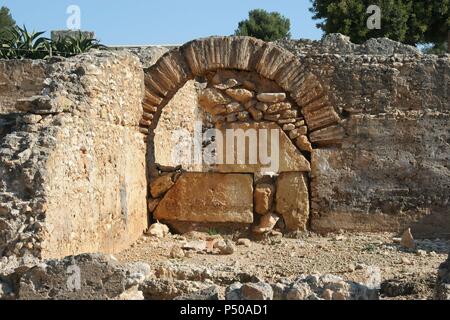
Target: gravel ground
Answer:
[[342, 254]]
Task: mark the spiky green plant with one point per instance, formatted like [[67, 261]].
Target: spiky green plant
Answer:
[[19, 43], [213, 232], [71, 46]]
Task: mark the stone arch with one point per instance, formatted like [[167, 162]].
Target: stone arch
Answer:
[[197, 57]]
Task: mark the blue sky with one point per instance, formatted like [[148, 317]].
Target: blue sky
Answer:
[[158, 21]]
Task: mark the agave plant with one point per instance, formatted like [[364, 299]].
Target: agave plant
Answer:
[[73, 45], [19, 43]]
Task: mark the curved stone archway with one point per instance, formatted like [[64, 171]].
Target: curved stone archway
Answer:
[[199, 58]]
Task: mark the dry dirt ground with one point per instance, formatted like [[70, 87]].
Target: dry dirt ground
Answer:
[[345, 255]]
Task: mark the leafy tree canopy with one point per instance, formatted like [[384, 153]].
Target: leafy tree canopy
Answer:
[[408, 21], [6, 20], [267, 26]]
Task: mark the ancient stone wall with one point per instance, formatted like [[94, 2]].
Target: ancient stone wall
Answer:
[[391, 170], [246, 85], [72, 165], [377, 119], [19, 79], [369, 124], [178, 120]]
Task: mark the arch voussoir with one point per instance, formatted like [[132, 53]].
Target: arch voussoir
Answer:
[[290, 74], [150, 96], [321, 118], [245, 53], [154, 85], [175, 69], [272, 60], [196, 56], [329, 135]]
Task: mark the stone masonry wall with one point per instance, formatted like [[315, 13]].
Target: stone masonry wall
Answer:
[[392, 170], [19, 79], [385, 167], [72, 164], [178, 118], [73, 168]]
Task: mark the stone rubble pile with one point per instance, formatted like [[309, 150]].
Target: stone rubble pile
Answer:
[[442, 291], [83, 277], [305, 287], [97, 276], [101, 277], [198, 242]]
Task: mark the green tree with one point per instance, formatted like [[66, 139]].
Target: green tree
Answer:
[[438, 31], [6, 20], [265, 26], [409, 21]]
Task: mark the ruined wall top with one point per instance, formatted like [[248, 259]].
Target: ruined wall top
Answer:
[[339, 44], [330, 44]]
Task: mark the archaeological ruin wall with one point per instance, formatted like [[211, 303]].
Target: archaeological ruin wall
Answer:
[[72, 160], [19, 79], [247, 84], [86, 142], [392, 169], [379, 150]]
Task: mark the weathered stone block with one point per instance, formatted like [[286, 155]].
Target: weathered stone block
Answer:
[[387, 175], [267, 223], [20, 79], [257, 115], [213, 101], [241, 95], [175, 67], [264, 194], [209, 197], [161, 185], [307, 90], [290, 74], [292, 200], [233, 107], [82, 164], [329, 135], [321, 118], [243, 54], [272, 97], [151, 98], [272, 59], [303, 144], [228, 84], [278, 107], [74, 278], [154, 84]]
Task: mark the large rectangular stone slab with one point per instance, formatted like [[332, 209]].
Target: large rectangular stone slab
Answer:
[[209, 197], [292, 200]]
